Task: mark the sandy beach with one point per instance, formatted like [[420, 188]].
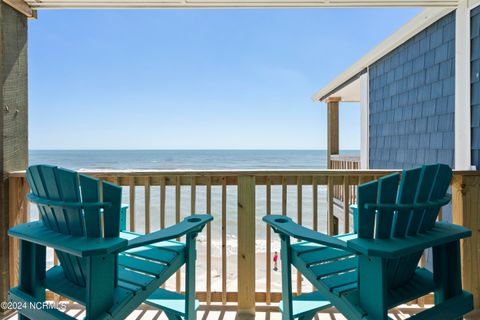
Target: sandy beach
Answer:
[[231, 274]]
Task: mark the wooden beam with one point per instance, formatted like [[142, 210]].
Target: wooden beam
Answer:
[[332, 129], [13, 125], [22, 7], [62, 4], [333, 99], [18, 213]]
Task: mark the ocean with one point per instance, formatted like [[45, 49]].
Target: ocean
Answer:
[[184, 159], [198, 160]]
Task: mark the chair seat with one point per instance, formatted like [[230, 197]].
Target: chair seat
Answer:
[[334, 268], [145, 269], [139, 266], [337, 271], [139, 270]]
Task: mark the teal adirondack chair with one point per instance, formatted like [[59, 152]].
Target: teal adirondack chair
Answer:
[[108, 271], [366, 273]]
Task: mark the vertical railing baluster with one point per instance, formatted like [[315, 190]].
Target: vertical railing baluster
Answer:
[[315, 208], [330, 214], [209, 241], [315, 203], [224, 240], [162, 206], [268, 206], [162, 202], [284, 196], [346, 205], [147, 205], [193, 195], [299, 221], [177, 220], [132, 203]]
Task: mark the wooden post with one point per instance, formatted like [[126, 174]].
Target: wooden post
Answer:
[[246, 245], [14, 122], [332, 129], [18, 213], [465, 204], [333, 147]]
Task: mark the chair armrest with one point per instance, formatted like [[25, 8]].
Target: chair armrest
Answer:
[[37, 233], [191, 224], [441, 233], [285, 225]]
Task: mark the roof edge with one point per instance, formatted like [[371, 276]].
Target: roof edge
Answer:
[[418, 23]]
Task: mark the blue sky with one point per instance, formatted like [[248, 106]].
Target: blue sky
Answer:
[[195, 79]]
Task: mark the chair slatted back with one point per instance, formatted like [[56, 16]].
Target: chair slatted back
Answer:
[[398, 218], [57, 184]]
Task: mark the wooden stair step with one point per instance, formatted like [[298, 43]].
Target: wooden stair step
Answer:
[[307, 303], [169, 301]]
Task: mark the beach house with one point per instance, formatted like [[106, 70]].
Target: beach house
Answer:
[[419, 93]]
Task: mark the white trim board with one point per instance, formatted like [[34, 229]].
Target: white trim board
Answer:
[[364, 122], [472, 4], [462, 88], [421, 21]]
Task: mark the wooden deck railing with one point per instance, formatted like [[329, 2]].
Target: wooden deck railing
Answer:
[[238, 200], [344, 162]]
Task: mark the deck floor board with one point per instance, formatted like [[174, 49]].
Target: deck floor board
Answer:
[[228, 312]]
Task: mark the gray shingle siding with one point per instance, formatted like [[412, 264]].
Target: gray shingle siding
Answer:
[[475, 86], [412, 100]]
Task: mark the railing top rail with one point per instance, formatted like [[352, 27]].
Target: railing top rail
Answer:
[[343, 157], [216, 172], [246, 172]]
